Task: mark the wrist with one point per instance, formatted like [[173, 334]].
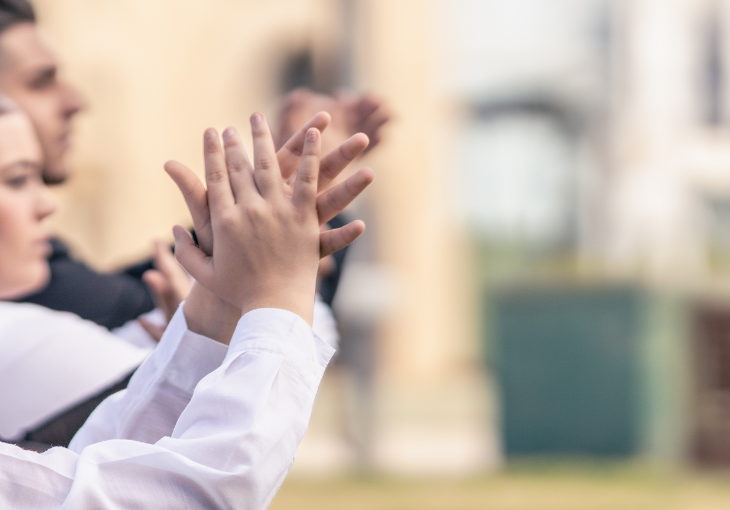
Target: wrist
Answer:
[[298, 299], [210, 316]]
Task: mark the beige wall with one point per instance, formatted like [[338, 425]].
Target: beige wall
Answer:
[[433, 400]]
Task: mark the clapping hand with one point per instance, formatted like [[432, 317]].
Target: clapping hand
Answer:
[[258, 224], [288, 157], [351, 114]]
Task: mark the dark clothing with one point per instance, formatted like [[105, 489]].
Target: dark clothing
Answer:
[[111, 299], [108, 299]]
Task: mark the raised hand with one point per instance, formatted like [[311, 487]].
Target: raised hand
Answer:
[[350, 114], [265, 245], [329, 202]]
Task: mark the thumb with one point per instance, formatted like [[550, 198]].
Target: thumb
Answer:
[[190, 257], [157, 284]]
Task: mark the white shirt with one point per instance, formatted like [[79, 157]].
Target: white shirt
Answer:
[[153, 446], [324, 323], [51, 361]]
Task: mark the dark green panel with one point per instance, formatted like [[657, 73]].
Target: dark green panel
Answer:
[[567, 366]]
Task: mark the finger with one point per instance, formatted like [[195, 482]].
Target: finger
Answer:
[[291, 104], [165, 262], [220, 195], [158, 285], [358, 108], [154, 330], [336, 239], [372, 126], [333, 201], [191, 258], [364, 107], [196, 199], [326, 266], [305, 187], [290, 154], [178, 279], [266, 169], [336, 161], [162, 293], [240, 171]]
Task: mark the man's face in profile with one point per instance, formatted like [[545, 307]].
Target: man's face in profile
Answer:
[[28, 75]]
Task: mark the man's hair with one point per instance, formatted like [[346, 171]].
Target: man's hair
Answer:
[[13, 12]]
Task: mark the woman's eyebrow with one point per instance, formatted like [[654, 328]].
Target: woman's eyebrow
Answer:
[[32, 165]]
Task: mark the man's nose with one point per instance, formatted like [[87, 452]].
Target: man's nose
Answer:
[[73, 100]]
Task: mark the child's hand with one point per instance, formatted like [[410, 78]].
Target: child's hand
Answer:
[[265, 244], [329, 202]]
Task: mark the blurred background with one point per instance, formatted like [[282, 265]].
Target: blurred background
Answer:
[[539, 313]]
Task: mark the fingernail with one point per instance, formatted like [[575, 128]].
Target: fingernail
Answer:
[[312, 135], [255, 119], [210, 135], [228, 133]]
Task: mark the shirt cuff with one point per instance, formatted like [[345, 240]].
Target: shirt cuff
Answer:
[[282, 332], [194, 356]]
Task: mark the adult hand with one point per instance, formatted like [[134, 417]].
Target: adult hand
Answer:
[[350, 114]]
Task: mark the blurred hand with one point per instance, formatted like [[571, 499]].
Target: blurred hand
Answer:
[[326, 263], [350, 114], [169, 285]]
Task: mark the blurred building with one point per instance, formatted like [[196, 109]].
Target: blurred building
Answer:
[[601, 151]]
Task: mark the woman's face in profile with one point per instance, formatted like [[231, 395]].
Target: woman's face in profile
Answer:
[[24, 203]]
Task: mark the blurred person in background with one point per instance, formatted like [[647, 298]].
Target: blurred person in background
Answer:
[[242, 340], [29, 75]]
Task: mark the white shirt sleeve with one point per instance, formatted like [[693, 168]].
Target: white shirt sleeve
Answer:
[[231, 447], [158, 391], [324, 323]]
